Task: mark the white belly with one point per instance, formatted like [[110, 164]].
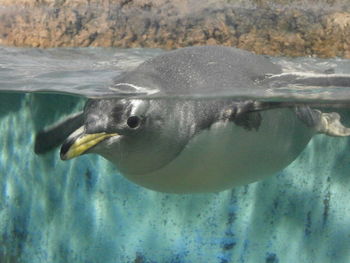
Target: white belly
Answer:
[[228, 155]]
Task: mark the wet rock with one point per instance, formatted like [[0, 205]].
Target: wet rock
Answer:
[[261, 27]]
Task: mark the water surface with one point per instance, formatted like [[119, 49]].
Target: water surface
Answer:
[[89, 72]]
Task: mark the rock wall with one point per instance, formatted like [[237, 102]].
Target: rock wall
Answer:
[[273, 29]]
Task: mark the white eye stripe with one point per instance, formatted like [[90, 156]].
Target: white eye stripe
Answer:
[[138, 108], [137, 89]]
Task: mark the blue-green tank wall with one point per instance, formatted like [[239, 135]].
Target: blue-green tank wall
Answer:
[[84, 211]]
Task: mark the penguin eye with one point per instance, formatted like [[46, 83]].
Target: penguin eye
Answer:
[[133, 122]]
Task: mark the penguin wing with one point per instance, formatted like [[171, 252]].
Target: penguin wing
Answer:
[[51, 137], [246, 114]]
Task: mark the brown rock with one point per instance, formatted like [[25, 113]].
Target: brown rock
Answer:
[[280, 30]]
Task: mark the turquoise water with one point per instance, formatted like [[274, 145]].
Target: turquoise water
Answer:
[[83, 210]]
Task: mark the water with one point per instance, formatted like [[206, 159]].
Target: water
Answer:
[[89, 72], [83, 72], [85, 211]]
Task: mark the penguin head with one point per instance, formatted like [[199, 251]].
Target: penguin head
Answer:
[[137, 135]]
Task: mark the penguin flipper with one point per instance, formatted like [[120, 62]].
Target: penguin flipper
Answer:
[[51, 137], [246, 114]]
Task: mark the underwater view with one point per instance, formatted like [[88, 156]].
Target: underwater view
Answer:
[[89, 209], [150, 131]]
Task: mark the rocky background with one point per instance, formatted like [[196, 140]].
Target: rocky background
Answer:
[[280, 27]]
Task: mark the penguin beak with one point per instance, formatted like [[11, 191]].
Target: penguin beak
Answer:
[[80, 142]]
